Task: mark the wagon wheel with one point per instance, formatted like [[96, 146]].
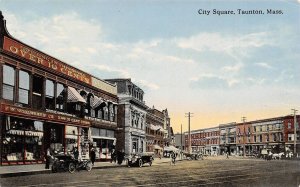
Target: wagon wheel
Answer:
[[140, 163], [72, 167]]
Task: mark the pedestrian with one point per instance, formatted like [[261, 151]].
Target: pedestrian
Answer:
[[75, 153], [120, 156], [227, 155], [48, 159], [113, 156], [93, 156], [173, 158]]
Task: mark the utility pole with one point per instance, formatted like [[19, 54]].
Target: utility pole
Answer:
[[189, 118], [244, 149], [295, 131], [181, 142]]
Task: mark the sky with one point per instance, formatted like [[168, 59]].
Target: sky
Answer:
[[218, 67]]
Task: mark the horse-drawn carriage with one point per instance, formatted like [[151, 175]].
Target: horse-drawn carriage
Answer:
[[193, 156]]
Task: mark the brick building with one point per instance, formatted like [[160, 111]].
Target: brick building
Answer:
[[47, 104]]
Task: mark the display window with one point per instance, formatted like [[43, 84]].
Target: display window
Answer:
[[22, 140], [103, 142]]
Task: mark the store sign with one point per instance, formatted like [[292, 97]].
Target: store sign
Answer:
[[43, 115], [45, 60]]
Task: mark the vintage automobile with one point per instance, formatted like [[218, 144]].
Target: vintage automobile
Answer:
[[193, 156], [139, 159], [68, 163]]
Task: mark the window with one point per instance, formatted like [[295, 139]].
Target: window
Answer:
[[254, 138], [37, 90], [8, 82], [254, 128], [267, 138], [60, 97], [289, 125], [274, 138], [24, 87], [290, 137], [49, 94], [260, 138]]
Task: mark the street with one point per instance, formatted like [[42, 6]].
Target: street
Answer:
[[212, 171]]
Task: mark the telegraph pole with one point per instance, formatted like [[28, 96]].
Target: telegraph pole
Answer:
[[181, 142], [295, 131], [189, 119], [244, 149]]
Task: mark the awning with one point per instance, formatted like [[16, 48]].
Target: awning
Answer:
[[74, 96], [157, 147], [97, 102], [171, 148]]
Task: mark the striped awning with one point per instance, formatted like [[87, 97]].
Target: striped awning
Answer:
[[97, 102], [74, 96]]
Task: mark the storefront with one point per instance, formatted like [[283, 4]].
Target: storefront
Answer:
[[104, 142], [27, 134]]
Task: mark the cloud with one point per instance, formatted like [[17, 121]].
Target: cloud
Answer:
[[147, 85], [263, 65], [209, 81]]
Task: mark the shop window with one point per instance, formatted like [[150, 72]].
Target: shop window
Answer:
[[60, 97], [50, 101], [24, 87], [8, 82], [37, 90], [22, 140]]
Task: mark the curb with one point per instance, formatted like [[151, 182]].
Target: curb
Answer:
[[25, 173]]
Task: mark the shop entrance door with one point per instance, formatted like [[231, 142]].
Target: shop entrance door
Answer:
[[54, 140]]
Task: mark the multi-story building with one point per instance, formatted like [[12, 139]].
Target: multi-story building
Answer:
[[180, 141], [48, 104], [274, 134], [205, 141], [132, 113], [228, 138], [155, 131]]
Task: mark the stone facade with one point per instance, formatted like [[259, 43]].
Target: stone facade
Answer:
[[132, 112]]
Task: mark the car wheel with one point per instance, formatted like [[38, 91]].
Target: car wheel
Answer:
[[89, 166], [72, 167], [140, 163]]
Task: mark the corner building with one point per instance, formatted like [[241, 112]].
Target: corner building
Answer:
[[48, 104], [132, 111]]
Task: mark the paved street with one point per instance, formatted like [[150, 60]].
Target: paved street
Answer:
[[213, 171]]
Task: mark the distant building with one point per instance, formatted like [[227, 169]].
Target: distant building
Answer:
[[179, 141], [155, 131]]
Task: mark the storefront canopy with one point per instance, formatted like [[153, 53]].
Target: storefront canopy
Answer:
[[97, 102], [171, 148], [74, 96], [157, 147]]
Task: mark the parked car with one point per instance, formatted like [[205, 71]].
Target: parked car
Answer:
[[140, 159], [68, 163]]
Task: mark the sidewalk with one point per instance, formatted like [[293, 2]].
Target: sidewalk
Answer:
[[22, 170]]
